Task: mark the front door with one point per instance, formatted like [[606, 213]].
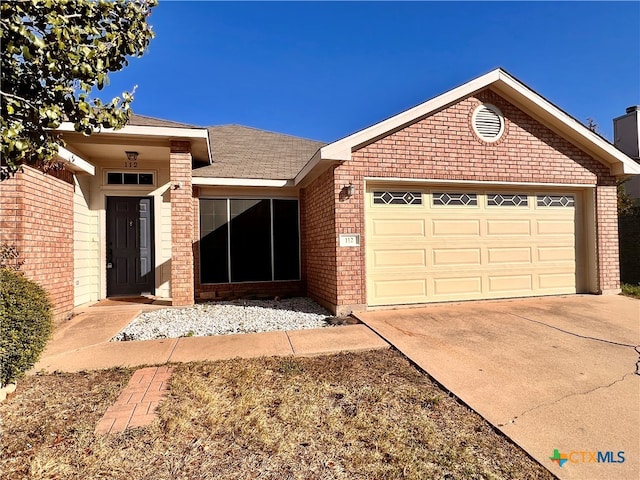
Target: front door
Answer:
[[130, 265]]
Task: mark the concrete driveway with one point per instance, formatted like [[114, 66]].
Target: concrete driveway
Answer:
[[552, 373]]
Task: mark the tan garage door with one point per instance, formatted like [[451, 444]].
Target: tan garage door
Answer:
[[448, 243]]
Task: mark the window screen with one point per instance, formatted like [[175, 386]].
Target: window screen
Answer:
[[249, 240]]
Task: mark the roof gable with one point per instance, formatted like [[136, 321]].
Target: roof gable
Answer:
[[509, 88]]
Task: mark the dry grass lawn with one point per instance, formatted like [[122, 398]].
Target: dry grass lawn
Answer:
[[351, 416]]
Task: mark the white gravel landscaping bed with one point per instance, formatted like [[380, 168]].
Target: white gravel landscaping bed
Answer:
[[222, 318]]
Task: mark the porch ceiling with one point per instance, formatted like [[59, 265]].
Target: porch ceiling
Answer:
[[96, 148]]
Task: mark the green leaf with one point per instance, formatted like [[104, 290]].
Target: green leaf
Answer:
[[72, 58]]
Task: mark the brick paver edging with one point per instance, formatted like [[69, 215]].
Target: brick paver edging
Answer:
[[136, 405]]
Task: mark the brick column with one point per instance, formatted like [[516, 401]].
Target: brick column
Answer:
[[181, 224], [607, 238]]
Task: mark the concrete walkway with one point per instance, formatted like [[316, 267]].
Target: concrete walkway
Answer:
[[554, 373], [83, 343]]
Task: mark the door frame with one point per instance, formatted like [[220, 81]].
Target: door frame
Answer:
[[152, 243]]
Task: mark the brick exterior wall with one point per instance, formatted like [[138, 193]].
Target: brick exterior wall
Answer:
[[607, 239], [227, 291], [319, 240], [443, 146], [182, 224], [36, 215]]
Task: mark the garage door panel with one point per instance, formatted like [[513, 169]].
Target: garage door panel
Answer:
[[554, 254], [509, 283], [508, 255], [468, 252], [457, 285], [400, 228], [556, 227], [456, 256], [400, 290], [399, 258], [457, 228], [563, 281], [508, 227]]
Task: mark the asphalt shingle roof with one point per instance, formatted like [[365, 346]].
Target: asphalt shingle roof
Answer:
[[144, 121], [245, 152]]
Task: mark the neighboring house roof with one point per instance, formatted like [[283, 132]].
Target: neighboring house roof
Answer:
[[506, 86], [251, 153], [145, 121]]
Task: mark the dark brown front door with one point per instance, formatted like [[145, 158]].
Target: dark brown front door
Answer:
[[130, 265]]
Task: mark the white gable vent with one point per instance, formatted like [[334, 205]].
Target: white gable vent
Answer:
[[488, 122]]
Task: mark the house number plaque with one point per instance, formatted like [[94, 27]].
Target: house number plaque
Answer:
[[349, 239]]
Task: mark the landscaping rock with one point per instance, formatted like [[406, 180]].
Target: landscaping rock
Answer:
[[220, 318]]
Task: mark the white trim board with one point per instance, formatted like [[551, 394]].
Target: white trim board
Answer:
[[75, 161], [240, 182], [139, 130], [513, 91], [476, 182]]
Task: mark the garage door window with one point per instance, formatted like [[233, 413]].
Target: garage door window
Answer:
[[556, 201], [455, 199], [397, 198], [507, 200]]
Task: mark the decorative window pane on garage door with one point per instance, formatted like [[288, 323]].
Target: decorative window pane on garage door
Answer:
[[507, 200], [556, 201], [455, 199], [397, 198]]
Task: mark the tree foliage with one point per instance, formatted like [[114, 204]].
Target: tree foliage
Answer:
[[54, 53], [626, 204]]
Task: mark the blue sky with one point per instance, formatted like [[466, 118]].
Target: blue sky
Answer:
[[324, 70]]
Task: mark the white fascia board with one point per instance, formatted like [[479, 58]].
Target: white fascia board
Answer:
[[240, 182], [310, 165], [341, 149], [476, 182], [620, 163], [209, 152], [75, 162], [145, 131], [629, 167]]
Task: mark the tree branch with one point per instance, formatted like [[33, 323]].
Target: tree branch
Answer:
[[16, 97]]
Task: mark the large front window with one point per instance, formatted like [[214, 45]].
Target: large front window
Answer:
[[249, 240]]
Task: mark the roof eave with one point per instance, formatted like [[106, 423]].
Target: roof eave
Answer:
[[564, 125], [241, 182], [198, 137], [75, 162], [342, 149], [513, 90]]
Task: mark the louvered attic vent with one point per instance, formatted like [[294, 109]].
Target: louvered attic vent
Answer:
[[488, 122]]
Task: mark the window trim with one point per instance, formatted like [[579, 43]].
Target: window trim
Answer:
[[563, 195], [153, 173], [473, 195], [227, 199], [525, 195], [417, 195]]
